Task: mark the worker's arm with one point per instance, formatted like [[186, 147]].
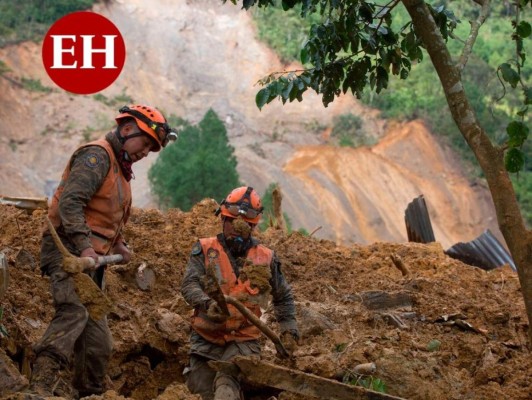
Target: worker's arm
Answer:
[[283, 300], [191, 287], [89, 167]]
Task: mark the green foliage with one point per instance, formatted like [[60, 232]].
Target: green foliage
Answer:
[[267, 203], [201, 164], [366, 381], [30, 19], [523, 187], [349, 131], [34, 85], [3, 68], [283, 31], [119, 100], [360, 45]]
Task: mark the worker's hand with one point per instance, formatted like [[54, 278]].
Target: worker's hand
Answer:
[[290, 341], [215, 313], [90, 253], [121, 248]]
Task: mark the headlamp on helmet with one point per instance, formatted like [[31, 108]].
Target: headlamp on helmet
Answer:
[[242, 202], [152, 122]]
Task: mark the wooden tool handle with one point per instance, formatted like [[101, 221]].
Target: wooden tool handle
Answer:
[[103, 260]]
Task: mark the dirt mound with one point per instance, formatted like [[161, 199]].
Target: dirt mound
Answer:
[[444, 330]]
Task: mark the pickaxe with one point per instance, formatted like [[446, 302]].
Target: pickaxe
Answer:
[[212, 288], [90, 295], [73, 264]]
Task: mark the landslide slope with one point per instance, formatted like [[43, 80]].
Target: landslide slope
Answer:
[[202, 54], [444, 330]]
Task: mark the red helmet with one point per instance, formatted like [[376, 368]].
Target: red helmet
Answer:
[[243, 201], [151, 121]]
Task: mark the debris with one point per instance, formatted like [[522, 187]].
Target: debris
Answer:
[[365, 369], [485, 252], [459, 321], [26, 203], [417, 220], [398, 262], [263, 373], [145, 277], [377, 300]]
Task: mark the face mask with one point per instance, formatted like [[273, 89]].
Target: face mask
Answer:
[[238, 246]]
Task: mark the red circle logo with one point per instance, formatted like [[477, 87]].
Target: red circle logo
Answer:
[[83, 52]]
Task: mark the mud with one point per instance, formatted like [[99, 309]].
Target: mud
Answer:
[[354, 307]]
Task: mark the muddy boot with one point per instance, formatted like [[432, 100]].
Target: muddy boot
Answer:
[[45, 376], [226, 388]]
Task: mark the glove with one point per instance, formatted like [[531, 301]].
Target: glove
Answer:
[[290, 341], [215, 313]]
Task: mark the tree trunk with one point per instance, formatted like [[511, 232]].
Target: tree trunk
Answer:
[[490, 158]]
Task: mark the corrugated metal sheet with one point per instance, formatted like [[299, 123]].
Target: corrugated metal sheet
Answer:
[[417, 220], [485, 252]]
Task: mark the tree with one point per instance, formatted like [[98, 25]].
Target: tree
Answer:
[[357, 46], [200, 164]]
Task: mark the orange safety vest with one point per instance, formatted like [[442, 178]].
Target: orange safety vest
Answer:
[[237, 328], [107, 210]]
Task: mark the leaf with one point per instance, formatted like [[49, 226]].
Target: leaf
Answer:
[[524, 29], [262, 97], [287, 89], [518, 133], [304, 56], [528, 95], [509, 74], [514, 160]]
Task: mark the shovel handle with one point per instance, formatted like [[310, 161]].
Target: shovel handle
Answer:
[[103, 260]]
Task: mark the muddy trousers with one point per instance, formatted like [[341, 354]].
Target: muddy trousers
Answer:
[[73, 337], [203, 380]]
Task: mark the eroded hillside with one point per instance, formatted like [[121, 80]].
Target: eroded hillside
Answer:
[[438, 330], [201, 55]]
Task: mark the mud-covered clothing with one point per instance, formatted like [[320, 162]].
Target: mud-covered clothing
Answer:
[[236, 327], [281, 292], [72, 336], [93, 200], [201, 379]]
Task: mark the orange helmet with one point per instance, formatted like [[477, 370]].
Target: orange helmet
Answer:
[[151, 121], [243, 201]]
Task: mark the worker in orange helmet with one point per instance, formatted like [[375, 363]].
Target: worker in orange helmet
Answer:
[[236, 257], [88, 210]]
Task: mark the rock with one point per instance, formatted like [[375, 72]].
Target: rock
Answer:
[[11, 380]]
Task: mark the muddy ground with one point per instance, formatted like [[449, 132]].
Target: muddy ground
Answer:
[[444, 330]]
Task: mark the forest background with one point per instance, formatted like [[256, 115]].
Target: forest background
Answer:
[[409, 99]]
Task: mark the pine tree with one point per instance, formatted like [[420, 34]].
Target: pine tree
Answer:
[[201, 164]]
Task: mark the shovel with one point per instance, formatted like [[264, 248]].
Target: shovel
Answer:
[[97, 303]]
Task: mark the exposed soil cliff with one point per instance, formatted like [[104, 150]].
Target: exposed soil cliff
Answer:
[[202, 54]]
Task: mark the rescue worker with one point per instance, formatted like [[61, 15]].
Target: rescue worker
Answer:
[[89, 210], [216, 336]]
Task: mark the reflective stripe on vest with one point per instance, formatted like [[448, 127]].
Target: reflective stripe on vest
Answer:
[[237, 328], [108, 208]]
